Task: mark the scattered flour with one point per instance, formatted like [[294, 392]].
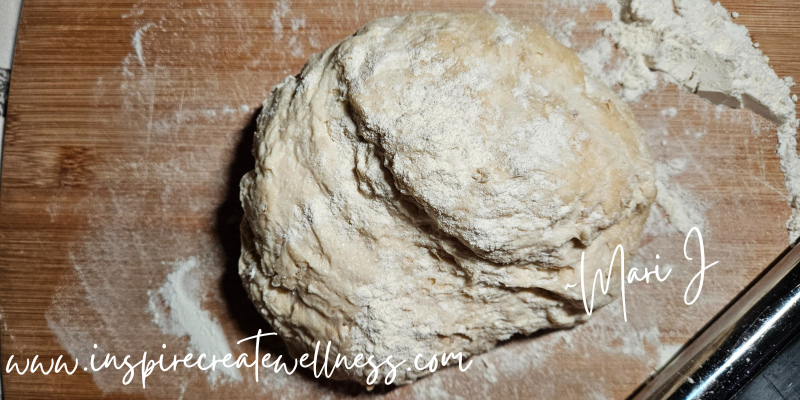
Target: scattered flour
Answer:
[[176, 309], [669, 112], [132, 217], [433, 388], [597, 58], [561, 29], [283, 11], [683, 209], [697, 46], [700, 48], [630, 344], [5, 326], [696, 133], [665, 353], [280, 11], [135, 12], [658, 223]]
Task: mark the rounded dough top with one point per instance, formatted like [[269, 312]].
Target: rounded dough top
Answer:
[[493, 128], [430, 184]]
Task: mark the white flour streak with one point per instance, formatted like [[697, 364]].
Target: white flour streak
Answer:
[[133, 13], [136, 41], [281, 10], [176, 309]]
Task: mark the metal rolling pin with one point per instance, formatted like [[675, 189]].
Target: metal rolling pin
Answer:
[[739, 342]]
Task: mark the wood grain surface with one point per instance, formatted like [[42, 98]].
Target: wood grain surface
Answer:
[[122, 162]]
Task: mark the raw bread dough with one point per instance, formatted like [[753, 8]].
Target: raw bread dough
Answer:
[[428, 185]]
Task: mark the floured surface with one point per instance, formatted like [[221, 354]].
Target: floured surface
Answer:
[[124, 140]]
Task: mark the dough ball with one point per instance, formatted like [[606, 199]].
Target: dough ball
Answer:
[[428, 185]]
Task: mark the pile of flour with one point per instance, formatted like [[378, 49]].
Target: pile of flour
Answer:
[[698, 46]]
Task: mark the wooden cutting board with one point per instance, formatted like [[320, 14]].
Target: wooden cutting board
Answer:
[[129, 127]]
